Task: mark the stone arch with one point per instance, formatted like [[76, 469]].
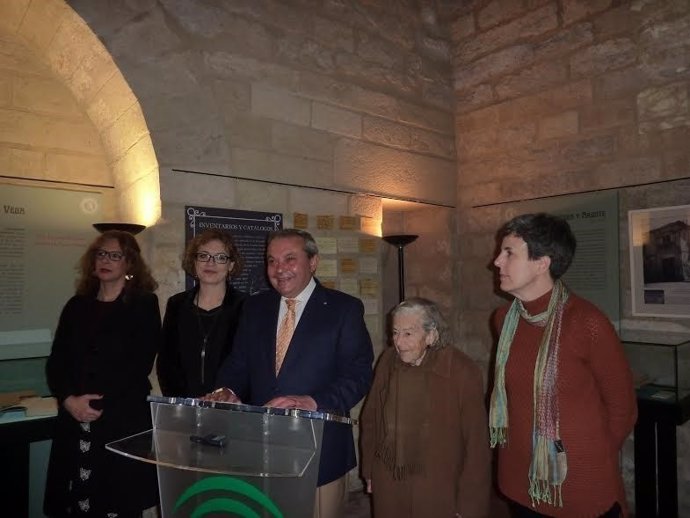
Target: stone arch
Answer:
[[61, 40]]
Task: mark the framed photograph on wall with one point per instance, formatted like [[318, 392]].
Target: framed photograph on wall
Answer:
[[660, 261]]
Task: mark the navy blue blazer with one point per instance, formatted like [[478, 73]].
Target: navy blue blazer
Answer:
[[330, 359]]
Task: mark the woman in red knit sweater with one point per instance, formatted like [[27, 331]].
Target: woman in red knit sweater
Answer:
[[563, 399]]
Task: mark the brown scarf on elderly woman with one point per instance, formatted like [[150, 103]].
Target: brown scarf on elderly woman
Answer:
[[406, 412]]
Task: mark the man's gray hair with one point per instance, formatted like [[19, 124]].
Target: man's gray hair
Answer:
[[309, 243]]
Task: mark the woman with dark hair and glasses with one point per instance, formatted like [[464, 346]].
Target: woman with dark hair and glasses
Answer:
[[200, 323], [98, 368]]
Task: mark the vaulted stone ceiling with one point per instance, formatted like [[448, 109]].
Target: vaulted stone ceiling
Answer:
[[61, 40]]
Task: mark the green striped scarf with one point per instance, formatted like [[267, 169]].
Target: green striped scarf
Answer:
[[549, 466]]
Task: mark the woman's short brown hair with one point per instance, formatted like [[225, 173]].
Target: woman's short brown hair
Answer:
[[189, 257]]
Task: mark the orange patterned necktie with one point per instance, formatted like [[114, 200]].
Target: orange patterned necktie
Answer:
[[285, 331]]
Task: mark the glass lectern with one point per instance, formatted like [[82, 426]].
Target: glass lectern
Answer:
[[237, 460]]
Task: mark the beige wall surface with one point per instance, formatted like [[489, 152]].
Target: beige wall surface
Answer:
[[325, 94], [67, 104], [44, 133]]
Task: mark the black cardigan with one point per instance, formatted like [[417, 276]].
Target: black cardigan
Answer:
[[179, 363], [103, 348]]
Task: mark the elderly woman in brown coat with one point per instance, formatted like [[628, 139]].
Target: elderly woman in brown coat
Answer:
[[423, 428]]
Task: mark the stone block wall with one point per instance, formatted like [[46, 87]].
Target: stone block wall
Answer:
[[44, 133], [346, 95], [561, 97]]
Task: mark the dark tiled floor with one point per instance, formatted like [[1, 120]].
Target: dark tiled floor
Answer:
[[359, 506]]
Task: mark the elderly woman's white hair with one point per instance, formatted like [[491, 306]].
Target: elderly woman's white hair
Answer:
[[432, 318]]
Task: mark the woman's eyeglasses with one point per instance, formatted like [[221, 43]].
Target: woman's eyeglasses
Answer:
[[113, 256], [204, 257]]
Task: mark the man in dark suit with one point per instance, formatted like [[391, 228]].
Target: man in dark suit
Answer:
[[325, 364]]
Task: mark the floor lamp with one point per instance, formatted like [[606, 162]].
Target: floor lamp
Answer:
[[400, 240]]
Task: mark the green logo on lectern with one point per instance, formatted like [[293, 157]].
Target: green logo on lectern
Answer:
[[228, 505]]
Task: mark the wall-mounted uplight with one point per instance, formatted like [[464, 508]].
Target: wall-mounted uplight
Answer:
[[132, 228]]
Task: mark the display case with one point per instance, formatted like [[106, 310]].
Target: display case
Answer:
[[23, 374], [660, 363]]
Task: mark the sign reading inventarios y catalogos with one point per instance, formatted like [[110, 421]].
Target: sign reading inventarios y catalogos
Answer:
[[249, 230]]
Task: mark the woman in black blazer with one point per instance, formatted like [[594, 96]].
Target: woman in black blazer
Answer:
[[199, 324]]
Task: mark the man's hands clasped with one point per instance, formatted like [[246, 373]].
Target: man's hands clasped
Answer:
[[225, 395]]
